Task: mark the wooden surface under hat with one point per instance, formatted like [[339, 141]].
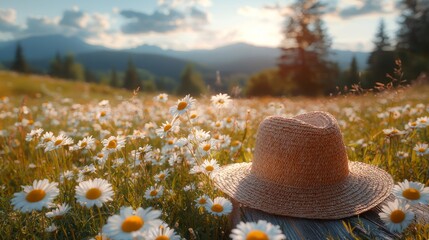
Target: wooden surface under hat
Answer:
[[368, 225]]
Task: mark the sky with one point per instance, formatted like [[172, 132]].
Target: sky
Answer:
[[190, 24]]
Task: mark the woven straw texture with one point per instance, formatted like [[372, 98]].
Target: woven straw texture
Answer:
[[300, 169]]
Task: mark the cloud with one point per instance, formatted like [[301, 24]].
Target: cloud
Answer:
[[271, 12], [365, 7], [74, 18], [8, 20], [184, 3], [163, 21]]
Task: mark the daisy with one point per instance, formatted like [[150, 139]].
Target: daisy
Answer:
[[35, 197], [402, 155], [422, 122], [182, 106], [58, 142], [221, 100], [129, 224], [51, 228], [162, 175], [94, 192], [421, 149], [396, 215], [87, 143], [45, 139], [153, 192], [209, 166], [202, 200], [59, 212], [163, 232], [35, 133], [113, 144], [413, 192], [205, 147], [162, 97], [235, 145], [166, 128], [390, 132], [219, 206], [262, 230]]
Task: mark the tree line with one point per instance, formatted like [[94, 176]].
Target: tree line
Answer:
[[66, 67], [304, 67]]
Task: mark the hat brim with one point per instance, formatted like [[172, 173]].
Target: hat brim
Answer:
[[365, 187]]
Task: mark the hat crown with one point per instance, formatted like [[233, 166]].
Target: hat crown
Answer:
[[306, 151]]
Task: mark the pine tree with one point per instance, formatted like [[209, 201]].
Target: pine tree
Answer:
[[305, 50], [353, 76], [131, 80], [56, 66], [114, 81], [381, 60], [19, 64], [191, 82]]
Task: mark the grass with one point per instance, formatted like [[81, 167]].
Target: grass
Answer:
[[31, 102]]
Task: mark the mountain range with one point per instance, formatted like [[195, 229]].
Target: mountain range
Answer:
[[237, 58]]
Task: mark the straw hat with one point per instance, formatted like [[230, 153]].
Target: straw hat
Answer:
[[300, 169]]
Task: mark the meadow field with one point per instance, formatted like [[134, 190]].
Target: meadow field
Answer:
[[101, 153]]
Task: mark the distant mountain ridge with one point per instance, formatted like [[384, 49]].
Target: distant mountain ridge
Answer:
[[237, 58]]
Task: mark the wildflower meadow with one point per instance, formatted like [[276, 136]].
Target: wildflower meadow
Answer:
[[137, 166]]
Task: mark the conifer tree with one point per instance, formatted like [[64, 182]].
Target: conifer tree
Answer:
[[191, 82], [114, 81], [19, 64], [131, 80], [305, 50]]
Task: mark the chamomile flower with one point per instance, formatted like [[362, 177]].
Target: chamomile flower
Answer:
[[51, 228], [422, 122], [58, 142], [221, 100], [94, 192], [114, 143], [163, 232], [413, 192], [153, 192], [396, 215], [167, 128], [87, 143], [219, 206], [261, 230], [390, 132], [421, 149], [201, 201], [182, 106], [35, 197], [129, 224], [35, 133], [58, 212], [209, 166], [162, 97], [161, 176]]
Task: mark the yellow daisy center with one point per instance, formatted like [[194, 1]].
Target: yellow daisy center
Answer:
[[228, 120], [103, 113], [47, 140], [170, 142], [112, 144], [161, 97], [209, 168], [161, 176], [98, 237], [394, 131], [83, 144], [202, 201], [35, 195], [163, 237], [221, 101], [182, 105], [93, 193], [217, 208], [153, 193], [397, 216], [100, 155], [235, 143], [167, 127], [58, 142], [218, 124], [30, 122], [132, 223], [411, 193], [256, 235], [413, 124], [423, 120], [422, 149], [193, 116], [207, 147]]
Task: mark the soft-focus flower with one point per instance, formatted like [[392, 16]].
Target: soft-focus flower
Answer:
[[221, 100], [182, 105], [94, 192], [261, 230], [413, 192], [219, 206], [59, 212]]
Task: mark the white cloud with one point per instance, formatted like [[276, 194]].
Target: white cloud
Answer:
[[8, 20], [184, 3]]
